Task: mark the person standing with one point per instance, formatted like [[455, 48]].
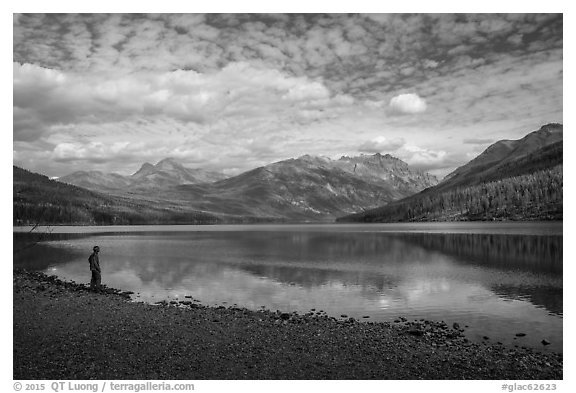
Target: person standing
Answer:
[[95, 269]]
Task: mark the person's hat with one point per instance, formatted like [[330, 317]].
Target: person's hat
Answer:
[[96, 248]]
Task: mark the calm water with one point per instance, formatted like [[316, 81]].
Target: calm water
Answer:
[[498, 278]]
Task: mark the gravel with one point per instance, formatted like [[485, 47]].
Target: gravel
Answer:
[[62, 330]]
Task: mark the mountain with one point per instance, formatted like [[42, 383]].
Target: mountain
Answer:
[[389, 169], [40, 200], [310, 188], [304, 188], [96, 180], [498, 159], [512, 179], [169, 172], [166, 173]]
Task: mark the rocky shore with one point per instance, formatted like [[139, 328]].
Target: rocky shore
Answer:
[[62, 330]]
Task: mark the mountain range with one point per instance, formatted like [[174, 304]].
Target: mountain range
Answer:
[[511, 179], [304, 188], [166, 173]]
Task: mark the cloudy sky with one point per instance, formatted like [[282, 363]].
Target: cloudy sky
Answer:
[[233, 92]]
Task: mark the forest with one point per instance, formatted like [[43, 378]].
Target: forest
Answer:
[[535, 196]]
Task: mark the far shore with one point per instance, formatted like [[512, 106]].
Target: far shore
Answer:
[[62, 330], [56, 228]]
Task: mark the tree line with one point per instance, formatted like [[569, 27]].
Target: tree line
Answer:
[[536, 196]]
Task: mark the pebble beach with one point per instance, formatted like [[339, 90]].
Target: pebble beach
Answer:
[[62, 330]]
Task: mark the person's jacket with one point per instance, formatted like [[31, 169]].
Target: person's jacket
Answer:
[[94, 262]]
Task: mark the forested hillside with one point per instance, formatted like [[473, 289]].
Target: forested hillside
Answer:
[[510, 180], [39, 200], [535, 196]]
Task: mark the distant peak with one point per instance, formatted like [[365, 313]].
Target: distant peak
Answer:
[[169, 163], [167, 160], [379, 156], [309, 157], [145, 168]]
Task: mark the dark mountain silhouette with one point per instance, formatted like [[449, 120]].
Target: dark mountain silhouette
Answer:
[[519, 180]]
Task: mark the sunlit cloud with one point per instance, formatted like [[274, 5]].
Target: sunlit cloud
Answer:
[[381, 144], [407, 103]]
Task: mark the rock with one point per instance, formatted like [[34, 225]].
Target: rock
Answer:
[[397, 321], [545, 342], [416, 332], [285, 316], [520, 334], [456, 326], [486, 338], [344, 316], [366, 316]]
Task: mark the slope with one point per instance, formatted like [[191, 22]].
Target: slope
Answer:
[[39, 200], [309, 188], [510, 180]]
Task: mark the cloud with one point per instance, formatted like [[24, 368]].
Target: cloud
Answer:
[[422, 157], [95, 152], [45, 98], [409, 103], [430, 63], [211, 82], [381, 144]]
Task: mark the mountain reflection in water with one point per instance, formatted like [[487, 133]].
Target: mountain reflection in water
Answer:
[[495, 280]]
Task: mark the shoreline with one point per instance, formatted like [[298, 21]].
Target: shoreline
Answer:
[[62, 330]]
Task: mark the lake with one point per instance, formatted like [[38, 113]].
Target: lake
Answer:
[[499, 279]]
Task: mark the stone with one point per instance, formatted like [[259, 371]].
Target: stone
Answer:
[[284, 316], [456, 326], [520, 334], [545, 342]]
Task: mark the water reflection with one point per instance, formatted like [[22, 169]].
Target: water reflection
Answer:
[[492, 282]]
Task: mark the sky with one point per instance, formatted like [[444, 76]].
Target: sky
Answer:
[[231, 92]]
